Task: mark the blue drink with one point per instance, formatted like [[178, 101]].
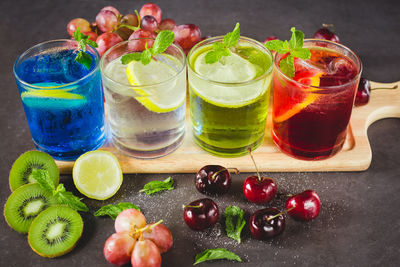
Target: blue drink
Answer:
[[63, 100]]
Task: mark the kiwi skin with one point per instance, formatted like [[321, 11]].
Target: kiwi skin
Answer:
[[21, 170], [55, 214], [13, 209]]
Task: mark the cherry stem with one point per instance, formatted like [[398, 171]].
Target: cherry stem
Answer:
[[279, 214], [255, 165], [330, 27], [389, 88], [189, 206], [236, 171]]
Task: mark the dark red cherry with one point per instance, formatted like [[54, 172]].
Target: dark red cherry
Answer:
[[304, 206], [201, 214], [259, 189], [270, 38], [213, 180], [363, 91], [326, 33], [267, 223]]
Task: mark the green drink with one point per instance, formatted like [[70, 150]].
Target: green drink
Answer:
[[229, 98]]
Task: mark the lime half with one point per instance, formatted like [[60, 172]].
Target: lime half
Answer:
[[97, 174], [155, 95]]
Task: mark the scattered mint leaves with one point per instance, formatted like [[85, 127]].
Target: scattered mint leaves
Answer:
[[113, 210], [157, 186], [293, 49], [222, 49], [234, 222], [61, 195], [163, 40], [216, 254], [82, 57]]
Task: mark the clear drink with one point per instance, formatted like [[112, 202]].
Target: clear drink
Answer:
[[229, 99], [145, 104]]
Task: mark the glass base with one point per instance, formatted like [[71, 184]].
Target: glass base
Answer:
[[228, 152], [149, 154], [70, 155], [303, 154]]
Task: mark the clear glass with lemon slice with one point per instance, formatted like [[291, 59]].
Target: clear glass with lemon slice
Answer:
[[63, 100], [311, 111], [229, 98], [146, 104]]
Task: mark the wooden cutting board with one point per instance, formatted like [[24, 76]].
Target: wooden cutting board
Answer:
[[356, 154]]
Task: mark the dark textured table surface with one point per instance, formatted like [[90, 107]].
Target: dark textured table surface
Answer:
[[359, 224]]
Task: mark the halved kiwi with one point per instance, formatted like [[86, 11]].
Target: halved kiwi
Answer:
[[55, 231], [21, 171], [24, 204]]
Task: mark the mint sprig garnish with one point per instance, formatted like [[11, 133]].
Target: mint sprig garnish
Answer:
[[113, 210], [293, 49], [81, 56], [61, 195], [222, 49], [163, 40], [157, 186], [234, 222], [216, 254]]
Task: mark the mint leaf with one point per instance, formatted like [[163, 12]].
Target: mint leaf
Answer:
[[216, 254], [231, 38], [82, 57], [113, 210], [157, 186], [303, 53], [163, 40], [287, 66], [277, 46], [222, 49], [296, 41], [42, 177], [64, 197], [234, 222]]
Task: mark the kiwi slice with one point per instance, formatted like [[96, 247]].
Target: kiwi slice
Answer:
[[25, 204], [55, 231], [21, 171]]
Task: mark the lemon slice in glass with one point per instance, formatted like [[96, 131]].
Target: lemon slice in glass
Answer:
[[155, 95], [97, 174]]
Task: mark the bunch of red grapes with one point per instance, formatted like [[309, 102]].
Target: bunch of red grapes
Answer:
[[111, 27]]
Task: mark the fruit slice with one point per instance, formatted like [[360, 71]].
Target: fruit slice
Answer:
[[156, 98], [51, 94], [97, 174], [24, 204], [310, 78], [55, 231], [53, 99], [21, 171]]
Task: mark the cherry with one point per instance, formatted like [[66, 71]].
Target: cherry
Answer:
[[259, 189], [213, 180], [267, 223], [363, 91], [201, 214], [270, 38], [326, 33], [304, 206]]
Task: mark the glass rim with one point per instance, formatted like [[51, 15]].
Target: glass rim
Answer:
[[221, 37], [57, 87], [177, 47], [323, 87]]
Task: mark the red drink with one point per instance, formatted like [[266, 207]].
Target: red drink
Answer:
[[312, 110]]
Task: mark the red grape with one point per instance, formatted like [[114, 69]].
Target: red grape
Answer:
[[161, 236], [149, 23], [152, 10], [92, 35], [167, 24], [82, 24], [129, 219], [107, 21], [145, 254], [138, 45], [112, 9], [107, 40], [187, 35], [118, 248]]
